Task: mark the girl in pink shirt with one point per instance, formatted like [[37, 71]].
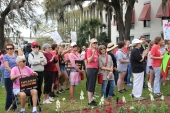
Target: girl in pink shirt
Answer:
[[75, 77], [92, 70]]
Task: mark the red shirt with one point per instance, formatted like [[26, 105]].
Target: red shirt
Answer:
[[94, 62], [125, 49], [50, 65], [156, 52], [54, 54]]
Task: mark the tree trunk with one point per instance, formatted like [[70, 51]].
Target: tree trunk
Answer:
[[128, 20], [109, 24], [2, 37]]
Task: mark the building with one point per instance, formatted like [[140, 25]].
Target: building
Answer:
[[146, 20]]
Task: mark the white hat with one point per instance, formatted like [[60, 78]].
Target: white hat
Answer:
[[73, 44], [136, 41], [93, 40], [111, 46]]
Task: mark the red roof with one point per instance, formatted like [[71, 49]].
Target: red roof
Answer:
[[160, 13], [145, 14]]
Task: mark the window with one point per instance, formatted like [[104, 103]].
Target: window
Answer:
[[147, 37], [117, 39], [132, 26], [131, 38], [146, 23]]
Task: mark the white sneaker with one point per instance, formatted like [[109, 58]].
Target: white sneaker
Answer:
[[51, 99], [96, 96], [46, 102]]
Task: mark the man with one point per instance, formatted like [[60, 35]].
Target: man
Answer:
[[142, 49], [37, 61]]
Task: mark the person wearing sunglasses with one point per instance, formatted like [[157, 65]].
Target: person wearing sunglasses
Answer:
[[37, 61], [9, 62], [92, 70], [22, 71]]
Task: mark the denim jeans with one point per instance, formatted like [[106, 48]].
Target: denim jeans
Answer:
[[111, 89], [9, 94], [144, 64], [157, 80], [2, 68], [129, 72]]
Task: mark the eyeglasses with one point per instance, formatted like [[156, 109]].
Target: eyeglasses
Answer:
[[9, 48], [23, 61], [35, 47]]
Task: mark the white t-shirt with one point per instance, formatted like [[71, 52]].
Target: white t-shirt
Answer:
[[82, 55], [149, 63]]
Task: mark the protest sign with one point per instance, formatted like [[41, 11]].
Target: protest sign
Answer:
[[78, 63], [73, 36], [56, 37], [166, 29]]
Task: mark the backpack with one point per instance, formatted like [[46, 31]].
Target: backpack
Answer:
[[26, 57]]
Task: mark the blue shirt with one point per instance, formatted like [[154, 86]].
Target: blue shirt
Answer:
[[12, 63]]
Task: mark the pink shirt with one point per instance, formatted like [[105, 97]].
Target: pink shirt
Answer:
[[15, 71], [94, 63], [1, 59], [156, 52], [73, 57], [67, 56]]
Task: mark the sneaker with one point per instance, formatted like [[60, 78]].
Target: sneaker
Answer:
[[22, 112], [46, 102], [93, 98], [96, 96], [61, 90], [58, 92], [139, 98], [92, 104], [51, 99], [124, 89], [35, 112], [130, 84]]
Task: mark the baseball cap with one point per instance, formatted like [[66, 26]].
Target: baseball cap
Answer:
[[34, 44]]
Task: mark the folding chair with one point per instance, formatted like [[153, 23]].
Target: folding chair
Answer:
[[26, 84]]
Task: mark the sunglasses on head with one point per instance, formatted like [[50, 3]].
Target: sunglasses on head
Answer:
[[9, 48], [35, 47], [23, 61], [75, 46], [95, 43]]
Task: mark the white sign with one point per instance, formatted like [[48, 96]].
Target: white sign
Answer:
[[73, 36], [56, 37], [166, 29]]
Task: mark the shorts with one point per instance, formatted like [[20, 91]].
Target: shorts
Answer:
[[150, 68], [119, 72], [17, 90], [62, 68]]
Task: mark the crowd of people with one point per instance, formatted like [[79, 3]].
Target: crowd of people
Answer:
[[116, 63]]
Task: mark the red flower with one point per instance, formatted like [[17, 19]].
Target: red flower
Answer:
[[120, 103], [108, 105], [107, 111], [128, 110], [97, 111], [87, 111]]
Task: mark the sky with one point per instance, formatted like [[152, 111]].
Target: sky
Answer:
[[26, 32]]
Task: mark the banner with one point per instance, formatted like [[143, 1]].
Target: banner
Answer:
[[166, 29], [73, 36], [56, 37], [28, 83], [78, 63]]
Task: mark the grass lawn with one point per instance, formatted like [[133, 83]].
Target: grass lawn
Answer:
[[67, 106]]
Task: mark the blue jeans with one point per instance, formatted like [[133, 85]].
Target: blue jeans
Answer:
[[157, 80], [129, 72], [9, 94], [111, 89], [144, 64], [2, 68]]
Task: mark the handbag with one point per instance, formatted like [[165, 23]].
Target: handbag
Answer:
[[82, 76], [100, 75]]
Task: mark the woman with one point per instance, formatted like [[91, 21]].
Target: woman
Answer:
[[75, 77], [106, 69], [2, 67], [22, 71], [151, 71], [137, 68], [9, 62], [48, 73], [92, 70], [157, 57], [122, 64]]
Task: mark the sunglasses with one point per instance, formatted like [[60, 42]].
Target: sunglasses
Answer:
[[9, 48], [23, 61], [95, 43], [75, 46], [102, 48], [35, 47]]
